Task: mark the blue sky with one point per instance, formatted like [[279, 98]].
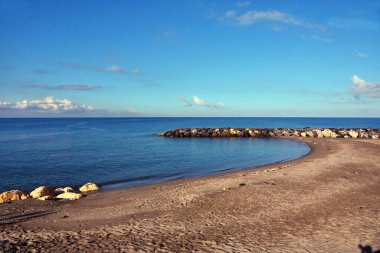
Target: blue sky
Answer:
[[189, 58]]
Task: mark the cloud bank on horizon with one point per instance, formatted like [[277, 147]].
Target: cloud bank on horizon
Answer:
[[260, 58], [197, 101], [48, 104]]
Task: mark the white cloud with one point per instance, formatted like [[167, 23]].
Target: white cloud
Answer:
[[200, 102], [319, 38], [230, 14], [277, 28], [42, 71], [110, 69], [243, 4], [354, 23], [114, 69], [197, 101], [127, 111], [219, 105], [75, 87], [251, 17], [136, 71], [357, 81], [169, 33], [362, 55], [48, 104], [131, 110], [165, 35], [184, 102], [365, 89]]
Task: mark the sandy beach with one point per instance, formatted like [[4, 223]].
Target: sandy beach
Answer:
[[327, 201]]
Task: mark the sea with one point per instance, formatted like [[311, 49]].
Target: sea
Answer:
[[125, 152]]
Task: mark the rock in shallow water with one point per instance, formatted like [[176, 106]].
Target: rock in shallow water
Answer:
[[89, 187]]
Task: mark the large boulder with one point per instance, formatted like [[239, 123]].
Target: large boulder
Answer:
[[363, 134], [25, 196], [319, 133], [89, 187], [333, 135], [303, 134], [225, 133], [11, 196], [41, 192], [310, 134], [215, 132], [63, 190], [70, 195], [353, 134], [327, 133], [233, 132], [342, 133]]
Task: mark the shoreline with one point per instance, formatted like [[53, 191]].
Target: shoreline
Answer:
[[277, 133], [110, 184], [224, 171], [227, 205]]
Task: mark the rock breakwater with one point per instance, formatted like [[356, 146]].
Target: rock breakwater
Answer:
[[366, 133]]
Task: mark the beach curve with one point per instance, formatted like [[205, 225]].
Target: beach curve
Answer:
[[328, 198]]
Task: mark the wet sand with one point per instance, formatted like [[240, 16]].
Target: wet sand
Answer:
[[327, 201]]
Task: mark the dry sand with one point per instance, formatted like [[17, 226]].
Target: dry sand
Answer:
[[327, 201]]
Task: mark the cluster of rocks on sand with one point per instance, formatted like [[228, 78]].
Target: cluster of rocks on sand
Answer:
[[48, 193], [274, 132]]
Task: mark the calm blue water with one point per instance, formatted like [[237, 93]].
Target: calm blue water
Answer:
[[122, 152]]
